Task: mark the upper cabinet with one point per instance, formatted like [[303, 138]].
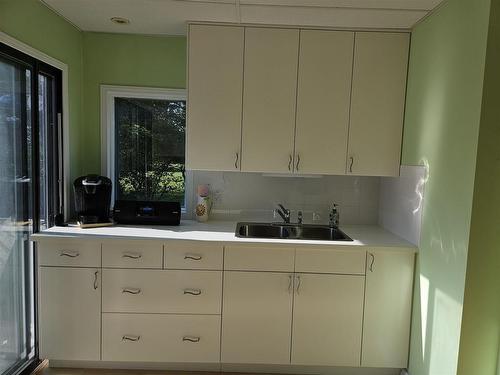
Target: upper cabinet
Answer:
[[323, 95], [282, 100], [214, 97], [269, 97], [377, 104]]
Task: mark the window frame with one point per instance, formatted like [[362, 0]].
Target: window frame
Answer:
[[108, 152]]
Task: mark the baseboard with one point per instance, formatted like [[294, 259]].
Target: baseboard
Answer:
[[229, 367]]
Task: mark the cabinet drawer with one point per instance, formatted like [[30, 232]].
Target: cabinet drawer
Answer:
[[132, 254], [330, 260], [259, 258], [69, 252], [192, 255], [160, 338], [157, 291]]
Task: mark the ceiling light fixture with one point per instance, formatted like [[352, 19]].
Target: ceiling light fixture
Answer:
[[120, 20]]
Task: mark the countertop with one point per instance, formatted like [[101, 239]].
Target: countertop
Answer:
[[223, 231]]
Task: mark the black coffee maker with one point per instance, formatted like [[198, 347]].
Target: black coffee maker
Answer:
[[92, 199]]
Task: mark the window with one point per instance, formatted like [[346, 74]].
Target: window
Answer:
[[144, 142]]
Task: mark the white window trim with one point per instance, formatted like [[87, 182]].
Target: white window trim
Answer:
[[28, 50], [108, 95]]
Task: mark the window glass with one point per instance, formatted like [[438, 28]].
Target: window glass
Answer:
[[150, 149]]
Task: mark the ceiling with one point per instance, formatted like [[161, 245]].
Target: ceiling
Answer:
[[169, 17]]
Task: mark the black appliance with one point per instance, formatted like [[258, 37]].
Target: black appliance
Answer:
[[147, 212], [92, 199]]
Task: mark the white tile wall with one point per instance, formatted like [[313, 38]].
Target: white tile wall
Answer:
[[401, 202], [253, 196]]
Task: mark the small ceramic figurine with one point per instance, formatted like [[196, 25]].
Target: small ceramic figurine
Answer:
[[203, 203]]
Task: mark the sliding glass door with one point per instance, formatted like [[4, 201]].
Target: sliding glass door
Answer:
[[29, 133]]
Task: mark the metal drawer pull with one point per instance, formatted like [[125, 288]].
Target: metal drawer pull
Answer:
[[193, 257], [236, 161], [132, 255], [131, 290], [191, 339], [372, 261], [351, 162], [193, 292], [290, 283], [96, 283], [69, 253], [130, 338], [298, 284], [290, 162]]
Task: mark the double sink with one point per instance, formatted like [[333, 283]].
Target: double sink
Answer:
[[290, 231]]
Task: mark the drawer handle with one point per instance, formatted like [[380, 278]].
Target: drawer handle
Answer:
[[132, 255], [131, 338], [193, 292], [191, 339], [193, 257], [131, 290], [69, 253]]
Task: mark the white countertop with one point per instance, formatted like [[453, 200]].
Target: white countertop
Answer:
[[223, 231]]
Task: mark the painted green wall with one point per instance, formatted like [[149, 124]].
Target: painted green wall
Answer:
[[121, 59], [441, 131], [34, 24], [479, 344]]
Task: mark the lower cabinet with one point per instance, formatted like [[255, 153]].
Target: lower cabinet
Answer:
[[70, 313], [389, 287], [160, 338], [327, 320], [257, 317]]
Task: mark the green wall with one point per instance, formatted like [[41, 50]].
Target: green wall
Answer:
[[479, 344], [121, 59], [441, 131], [32, 23]]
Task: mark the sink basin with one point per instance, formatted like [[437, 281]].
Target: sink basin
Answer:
[[290, 231]]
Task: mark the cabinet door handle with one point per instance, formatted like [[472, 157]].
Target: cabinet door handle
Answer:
[[290, 283], [69, 253], [193, 292], [236, 160], [191, 339], [290, 163], [298, 162], [132, 255], [193, 257], [372, 262], [96, 280], [131, 338], [351, 162], [131, 290], [298, 283]]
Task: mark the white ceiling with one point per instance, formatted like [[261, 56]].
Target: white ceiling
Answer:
[[170, 16]]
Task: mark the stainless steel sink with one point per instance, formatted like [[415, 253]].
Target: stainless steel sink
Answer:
[[290, 231]]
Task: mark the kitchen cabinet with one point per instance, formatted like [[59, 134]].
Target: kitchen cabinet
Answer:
[[377, 104], [257, 311], [70, 313], [389, 286], [269, 98], [215, 84], [327, 320], [323, 96]]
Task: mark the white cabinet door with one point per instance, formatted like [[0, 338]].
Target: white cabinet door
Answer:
[[327, 320], [257, 317], [389, 286], [215, 76], [269, 97], [70, 313], [377, 105], [323, 96]]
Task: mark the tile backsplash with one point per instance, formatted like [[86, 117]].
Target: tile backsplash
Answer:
[[253, 196]]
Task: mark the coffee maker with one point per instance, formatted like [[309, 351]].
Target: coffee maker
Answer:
[[92, 199]]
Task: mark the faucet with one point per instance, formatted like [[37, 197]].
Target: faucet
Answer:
[[299, 218], [334, 217], [284, 213]]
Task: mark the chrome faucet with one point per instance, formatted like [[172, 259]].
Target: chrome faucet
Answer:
[[299, 217], [284, 213], [334, 216]]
